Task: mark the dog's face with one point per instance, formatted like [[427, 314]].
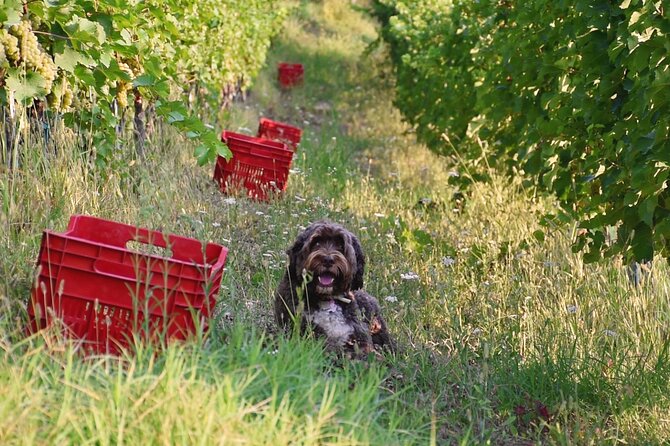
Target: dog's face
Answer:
[[331, 256]]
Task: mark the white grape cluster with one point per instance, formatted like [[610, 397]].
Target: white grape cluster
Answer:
[[22, 48], [123, 87], [60, 99], [10, 48]]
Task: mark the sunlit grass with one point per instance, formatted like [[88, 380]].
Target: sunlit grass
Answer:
[[505, 336]]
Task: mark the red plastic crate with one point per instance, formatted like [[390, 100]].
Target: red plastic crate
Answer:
[[279, 131], [106, 294], [290, 74], [259, 165]]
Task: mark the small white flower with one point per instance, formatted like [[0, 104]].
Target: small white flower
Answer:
[[259, 213], [453, 173], [610, 333], [230, 200], [448, 261], [476, 331], [572, 309], [363, 228], [486, 283], [391, 299], [409, 276], [216, 224]]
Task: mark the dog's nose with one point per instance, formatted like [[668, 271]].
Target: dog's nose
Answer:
[[328, 260]]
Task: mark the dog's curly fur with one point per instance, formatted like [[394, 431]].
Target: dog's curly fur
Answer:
[[322, 289]]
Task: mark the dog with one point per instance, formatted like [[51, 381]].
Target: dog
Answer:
[[322, 291]]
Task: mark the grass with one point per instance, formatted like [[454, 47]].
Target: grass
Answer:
[[504, 339]]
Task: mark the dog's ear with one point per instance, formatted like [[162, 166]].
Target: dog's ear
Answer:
[[357, 282], [357, 258], [294, 254]]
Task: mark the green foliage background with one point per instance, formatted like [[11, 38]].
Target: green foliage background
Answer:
[[572, 94], [110, 53]]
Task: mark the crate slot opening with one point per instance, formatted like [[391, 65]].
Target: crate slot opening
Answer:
[[149, 249]]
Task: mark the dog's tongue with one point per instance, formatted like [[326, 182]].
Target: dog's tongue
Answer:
[[326, 279]]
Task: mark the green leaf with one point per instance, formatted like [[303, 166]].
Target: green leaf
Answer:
[[25, 85], [175, 116], [201, 154], [647, 208], [224, 151], [144, 80], [11, 12], [85, 75], [642, 243], [82, 30], [69, 58]]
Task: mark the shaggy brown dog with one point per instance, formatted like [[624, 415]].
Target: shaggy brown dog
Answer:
[[322, 291]]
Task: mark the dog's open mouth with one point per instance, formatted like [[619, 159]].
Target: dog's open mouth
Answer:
[[326, 279]]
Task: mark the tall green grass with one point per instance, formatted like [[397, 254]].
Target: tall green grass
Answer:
[[506, 338]]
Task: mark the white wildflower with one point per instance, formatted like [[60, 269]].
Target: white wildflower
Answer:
[[409, 276], [391, 299], [572, 309], [230, 200], [448, 261]]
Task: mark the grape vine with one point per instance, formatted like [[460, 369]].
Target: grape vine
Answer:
[[572, 95], [95, 63]]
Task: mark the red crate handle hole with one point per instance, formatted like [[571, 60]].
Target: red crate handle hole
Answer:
[[142, 247]]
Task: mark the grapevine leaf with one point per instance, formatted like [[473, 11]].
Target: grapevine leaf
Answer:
[[647, 209], [175, 116], [10, 12], [69, 58], [25, 85], [84, 75], [144, 80], [224, 151], [642, 243], [85, 31], [202, 155]]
